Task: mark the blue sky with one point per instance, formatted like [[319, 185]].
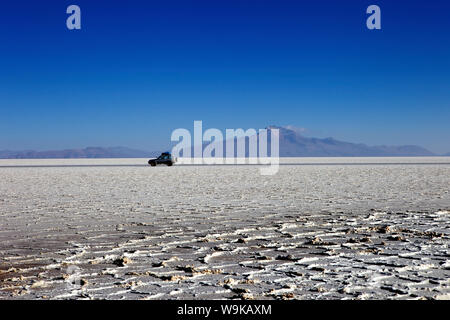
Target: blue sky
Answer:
[[139, 69]]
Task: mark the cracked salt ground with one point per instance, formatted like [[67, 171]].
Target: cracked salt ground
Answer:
[[309, 232]]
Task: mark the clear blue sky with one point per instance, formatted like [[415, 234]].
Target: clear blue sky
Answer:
[[139, 69]]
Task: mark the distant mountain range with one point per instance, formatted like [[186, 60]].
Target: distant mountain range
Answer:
[[292, 144], [90, 152]]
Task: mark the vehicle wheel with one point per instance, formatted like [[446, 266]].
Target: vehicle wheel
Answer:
[[153, 164], [169, 164]]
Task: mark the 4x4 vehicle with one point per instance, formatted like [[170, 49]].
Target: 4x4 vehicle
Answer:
[[165, 158]]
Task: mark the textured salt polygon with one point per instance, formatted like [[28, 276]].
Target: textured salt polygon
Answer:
[[322, 228]]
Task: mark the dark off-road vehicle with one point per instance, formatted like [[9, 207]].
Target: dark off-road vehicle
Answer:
[[165, 158]]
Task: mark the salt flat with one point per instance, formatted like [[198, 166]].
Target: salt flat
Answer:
[[322, 228]]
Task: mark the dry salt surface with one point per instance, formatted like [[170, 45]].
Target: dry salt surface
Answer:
[[322, 228]]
